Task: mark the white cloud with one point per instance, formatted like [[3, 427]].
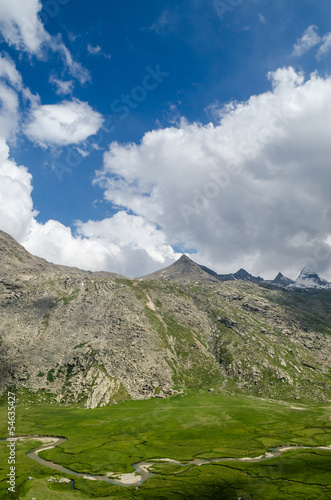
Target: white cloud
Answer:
[[9, 112], [139, 246], [309, 39], [75, 69], [93, 50], [97, 51], [246, 190], [10, 84], [57, 244], [123, 243], [9, 72], [11, 88], [251, 190], [325, 47], [10, 75], [69, 122], [16, 207], [22, 28], [82, 152], [63, 87]]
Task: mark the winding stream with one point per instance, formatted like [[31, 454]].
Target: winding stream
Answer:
[[142, 472]]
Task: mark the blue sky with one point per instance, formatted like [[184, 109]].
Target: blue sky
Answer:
[[158, 75]]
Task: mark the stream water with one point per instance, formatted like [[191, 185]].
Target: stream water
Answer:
[[141, 469]]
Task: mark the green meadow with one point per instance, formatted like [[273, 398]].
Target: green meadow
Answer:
[[197, 425]]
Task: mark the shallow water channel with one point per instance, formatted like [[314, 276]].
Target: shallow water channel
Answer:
[[141, 469]]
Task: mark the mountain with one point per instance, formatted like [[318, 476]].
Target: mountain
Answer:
[[239, 275], [184, 269], [309, 279], [70, 336], [242, 275], [14, 258], [306, 279], [282, 280]]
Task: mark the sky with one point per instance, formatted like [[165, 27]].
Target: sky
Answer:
[[132, 132]]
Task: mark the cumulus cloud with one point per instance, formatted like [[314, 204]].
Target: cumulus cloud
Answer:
[[22, 28], [69, 122], [56, 243], [139, 246], [251, 190], [124, 243], [16, 207]]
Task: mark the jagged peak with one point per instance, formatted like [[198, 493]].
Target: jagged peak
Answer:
[[308, 273], [183, 269], [310, 279], [280, 275], [282, 280], [185, 258], [242, 273], [306, 270]]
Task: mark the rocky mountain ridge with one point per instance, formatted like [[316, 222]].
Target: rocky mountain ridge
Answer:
[[96, 338], [306, 279]]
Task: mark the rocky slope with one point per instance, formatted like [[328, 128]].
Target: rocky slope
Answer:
[[96, 338]]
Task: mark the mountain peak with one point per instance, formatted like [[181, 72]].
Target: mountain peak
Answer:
[[309, 279], [185, 258], [279, 276], [282, 280], [184, 269], [242, 272], [307, 271]]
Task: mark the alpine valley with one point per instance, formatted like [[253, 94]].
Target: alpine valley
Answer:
[[183, 364]]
